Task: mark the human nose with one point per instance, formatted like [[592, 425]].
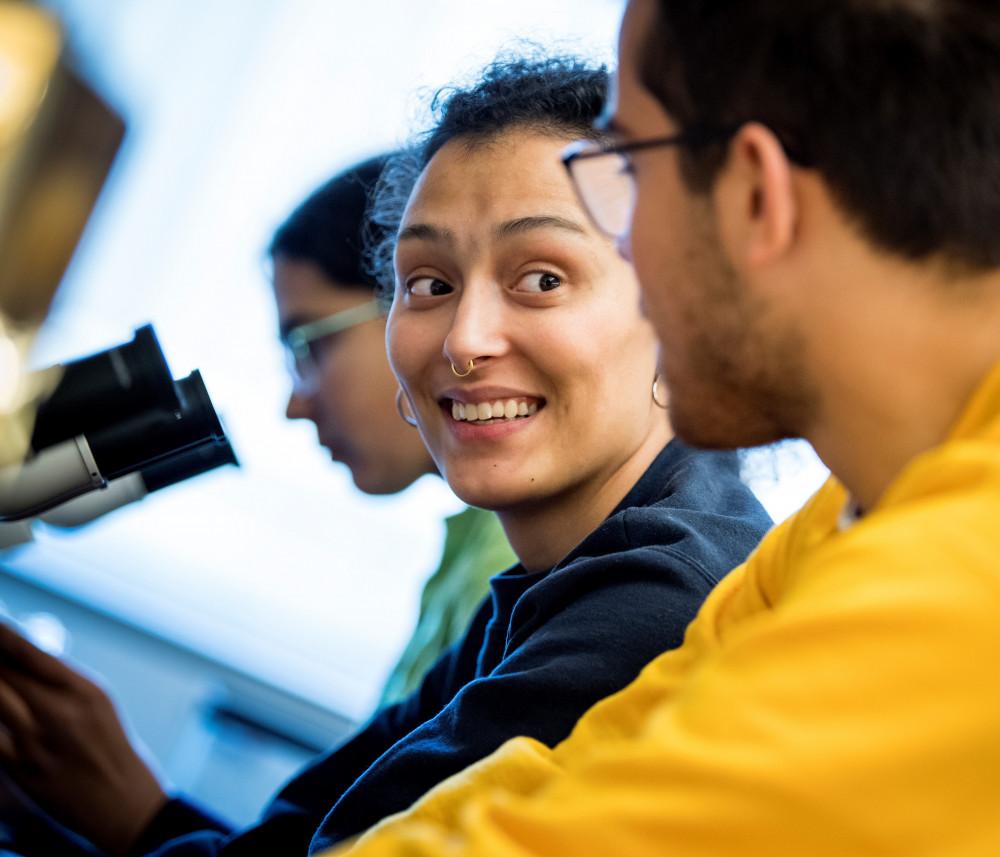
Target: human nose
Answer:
[[477, 328], [298, 406]]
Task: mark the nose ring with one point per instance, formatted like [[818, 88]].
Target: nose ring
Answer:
[[466, 373]]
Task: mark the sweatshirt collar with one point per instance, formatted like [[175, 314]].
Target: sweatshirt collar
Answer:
[[982, 415]]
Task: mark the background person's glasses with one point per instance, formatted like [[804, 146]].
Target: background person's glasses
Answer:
[[301, 342], [602, 175]]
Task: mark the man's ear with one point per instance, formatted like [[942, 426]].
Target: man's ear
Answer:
[[755, 201]]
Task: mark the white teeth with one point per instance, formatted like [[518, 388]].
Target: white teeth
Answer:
[[499, 409]]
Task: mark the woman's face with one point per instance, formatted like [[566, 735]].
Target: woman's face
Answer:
[[497, 263], [349, 392]]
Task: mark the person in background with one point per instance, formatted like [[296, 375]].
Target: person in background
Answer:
[[810, 193], [523, 356], [333, 328]]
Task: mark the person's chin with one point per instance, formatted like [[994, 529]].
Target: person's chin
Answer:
[[367, 484], [488, 490], [710, 427], [337, 452], [361, 476]]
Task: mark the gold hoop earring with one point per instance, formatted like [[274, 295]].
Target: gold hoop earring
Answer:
[[409, 419], [466, 373], [663, 406]]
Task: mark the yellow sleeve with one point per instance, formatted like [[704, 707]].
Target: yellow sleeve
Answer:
[[861, 715]]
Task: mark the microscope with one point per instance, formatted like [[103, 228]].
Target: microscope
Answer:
[[80, 439], [89, 436], [116, 427]]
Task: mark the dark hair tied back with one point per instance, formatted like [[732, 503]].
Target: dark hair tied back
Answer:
[[330, 228]]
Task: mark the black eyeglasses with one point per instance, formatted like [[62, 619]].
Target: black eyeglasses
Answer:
[[602, 175]]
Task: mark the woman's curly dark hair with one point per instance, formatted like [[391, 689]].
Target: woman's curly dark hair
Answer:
[[557, 95]]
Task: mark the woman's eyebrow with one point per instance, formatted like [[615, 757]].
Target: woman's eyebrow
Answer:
[[425, 232], [541, 221]]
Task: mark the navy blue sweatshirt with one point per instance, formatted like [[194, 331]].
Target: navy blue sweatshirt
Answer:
[[541, 650]]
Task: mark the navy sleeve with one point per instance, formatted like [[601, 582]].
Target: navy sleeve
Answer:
[[177, 817], [27, 833], [534, 663], [613, 615], [182, 829]]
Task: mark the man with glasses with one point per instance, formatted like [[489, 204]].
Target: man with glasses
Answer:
[[810, 193]]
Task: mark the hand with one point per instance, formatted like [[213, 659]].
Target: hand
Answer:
[[62, 742]]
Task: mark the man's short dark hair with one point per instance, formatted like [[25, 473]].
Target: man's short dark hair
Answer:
[[560, 96], [895, 102]]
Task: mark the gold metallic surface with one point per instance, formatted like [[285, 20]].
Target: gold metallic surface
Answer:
[[57, 143]]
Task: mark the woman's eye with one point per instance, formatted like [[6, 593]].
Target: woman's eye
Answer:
[[538, 281], [427, 287]]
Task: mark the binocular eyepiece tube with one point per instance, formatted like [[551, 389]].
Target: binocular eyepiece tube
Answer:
[[113, 415]]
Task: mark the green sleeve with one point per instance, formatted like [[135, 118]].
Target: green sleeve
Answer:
[[475, 549]]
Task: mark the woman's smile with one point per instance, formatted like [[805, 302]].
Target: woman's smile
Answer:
[[487, 413], [489, 421]]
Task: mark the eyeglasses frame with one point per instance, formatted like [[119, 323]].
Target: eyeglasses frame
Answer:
[[694, 137], [298, 339]]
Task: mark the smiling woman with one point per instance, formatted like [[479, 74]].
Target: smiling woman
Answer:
[[496, 264]]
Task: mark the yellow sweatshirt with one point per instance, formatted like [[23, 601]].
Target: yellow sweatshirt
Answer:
[[837, 695]]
